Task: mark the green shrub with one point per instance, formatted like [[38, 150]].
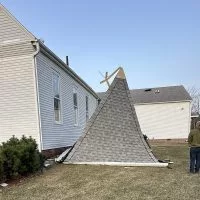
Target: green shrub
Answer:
[[20, 157], [30, 156], [1, 166]]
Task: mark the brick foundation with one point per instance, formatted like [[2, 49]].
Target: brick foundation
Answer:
[[50, 153]]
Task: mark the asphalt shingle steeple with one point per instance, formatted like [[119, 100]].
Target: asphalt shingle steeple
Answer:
[[113, 134]]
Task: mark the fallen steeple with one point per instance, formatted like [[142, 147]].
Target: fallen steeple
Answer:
[[113, 136]]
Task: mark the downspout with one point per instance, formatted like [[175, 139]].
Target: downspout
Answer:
[[35, 43]]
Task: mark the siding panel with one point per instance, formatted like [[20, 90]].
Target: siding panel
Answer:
[[18, 100], [165, 120], [9, 28], [16, 49], [17, 80], [65, 134]]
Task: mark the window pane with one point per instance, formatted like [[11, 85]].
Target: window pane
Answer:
[[75, 102], [56, 85], [57, 109], [75, 99], [75, 115], [86, 100], [56, 96], [56, 104]]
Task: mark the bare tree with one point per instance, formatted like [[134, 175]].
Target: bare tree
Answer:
[[195, 94]]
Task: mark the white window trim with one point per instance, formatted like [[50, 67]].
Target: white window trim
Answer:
[[60, 122]]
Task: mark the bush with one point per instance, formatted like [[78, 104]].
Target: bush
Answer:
[[20, 157], [1, 167]]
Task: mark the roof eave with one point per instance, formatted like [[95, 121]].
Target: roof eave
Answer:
[[44, 49], [164, 102]]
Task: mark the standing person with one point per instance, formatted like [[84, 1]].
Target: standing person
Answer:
[[194, 143]]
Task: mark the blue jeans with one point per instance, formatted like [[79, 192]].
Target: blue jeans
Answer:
[[194, 159]]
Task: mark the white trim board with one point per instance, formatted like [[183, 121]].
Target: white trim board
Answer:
[[164, 102], [125, 164]]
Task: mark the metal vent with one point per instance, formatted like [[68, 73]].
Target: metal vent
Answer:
[[148, 90]]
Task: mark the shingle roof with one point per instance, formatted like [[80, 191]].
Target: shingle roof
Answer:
[[159, 94], [113, 133]]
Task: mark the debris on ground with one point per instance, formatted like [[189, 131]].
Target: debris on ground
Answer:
[[3, 184]]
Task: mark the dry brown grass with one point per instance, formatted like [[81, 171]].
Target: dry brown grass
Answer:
[[106, 182]]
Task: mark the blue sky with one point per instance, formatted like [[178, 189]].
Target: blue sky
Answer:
[[157, 42]]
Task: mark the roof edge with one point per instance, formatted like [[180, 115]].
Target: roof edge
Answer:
[[162, 102], [28, 33], [55, 58], [138, 124], [169, 86]]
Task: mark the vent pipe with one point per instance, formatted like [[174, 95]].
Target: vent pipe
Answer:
[[67, 61]]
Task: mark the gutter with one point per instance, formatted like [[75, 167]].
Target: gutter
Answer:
[[164, 102], [45, 50], [150, 103], [35, 43]]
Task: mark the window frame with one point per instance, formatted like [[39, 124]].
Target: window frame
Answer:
[[87, 115], [75, 107], [55, 73]]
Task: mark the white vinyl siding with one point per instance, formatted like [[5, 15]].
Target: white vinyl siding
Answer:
[[19, 114], [164, 120], [16, 50], [66, 134], [11, 30]]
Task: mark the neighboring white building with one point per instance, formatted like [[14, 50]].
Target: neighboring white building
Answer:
[[164, 112], [40, 95]]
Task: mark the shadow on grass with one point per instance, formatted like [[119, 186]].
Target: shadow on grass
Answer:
[[82, 182]]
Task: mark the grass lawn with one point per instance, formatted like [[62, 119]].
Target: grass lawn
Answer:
[[108, 182]]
